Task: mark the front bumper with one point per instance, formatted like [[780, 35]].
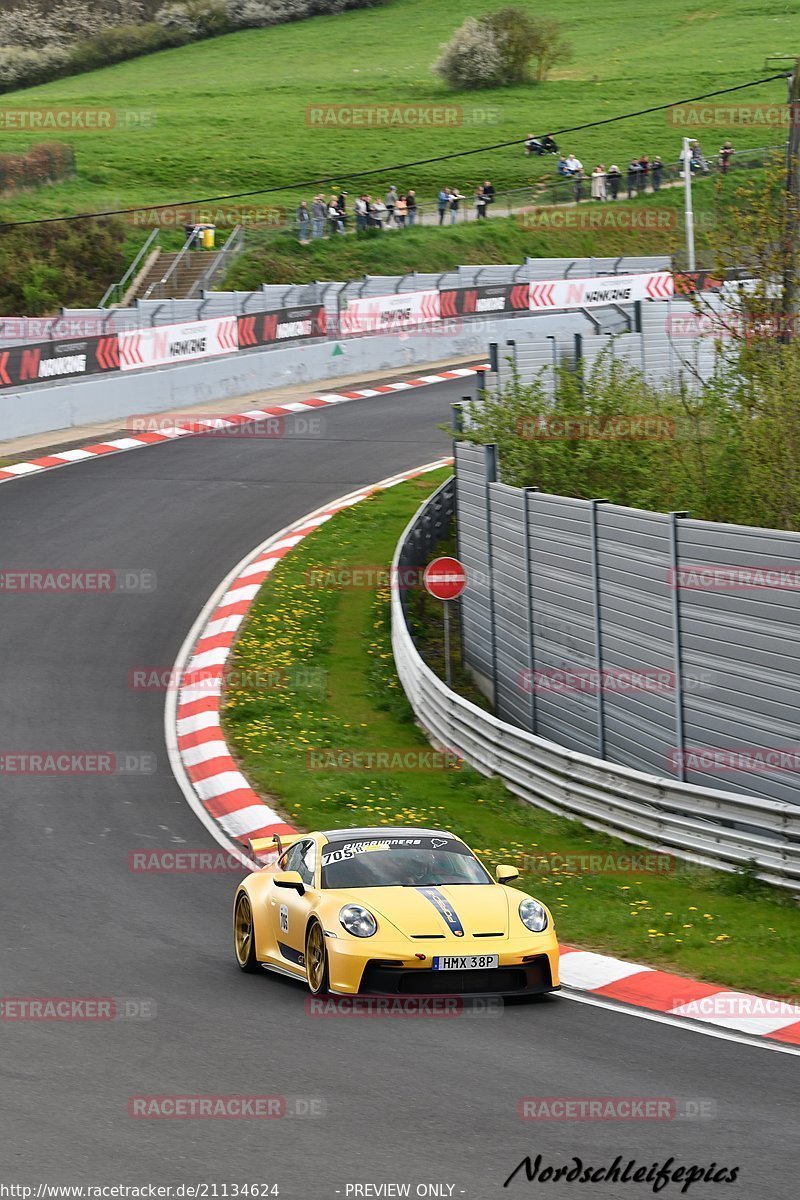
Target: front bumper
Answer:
[[526, 966]]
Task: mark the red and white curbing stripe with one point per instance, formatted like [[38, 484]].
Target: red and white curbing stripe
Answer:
[[231, 809], [195, 425], [221, 788], [676, 996]]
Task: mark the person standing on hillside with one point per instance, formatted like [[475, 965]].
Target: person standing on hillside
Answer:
[[644, 171], [303, 218], [614, 175], [411, 205], [488, 191], [599, 183], [633, 177], [360, 209], [391, 203], [480, 204], [655, 173], [442, 201], [726, 153], [318, 216], [455, 197], [401, 211]]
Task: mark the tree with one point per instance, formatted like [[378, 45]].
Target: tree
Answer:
[[495, 50]]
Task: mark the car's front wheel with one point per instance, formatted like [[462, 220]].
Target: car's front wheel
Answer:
[[316, 959], [244, 937]]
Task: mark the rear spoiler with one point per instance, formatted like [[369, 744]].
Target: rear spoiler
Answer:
[[268, 850]]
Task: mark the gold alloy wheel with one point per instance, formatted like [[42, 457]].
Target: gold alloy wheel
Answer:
[[316, 965], [243, 933]]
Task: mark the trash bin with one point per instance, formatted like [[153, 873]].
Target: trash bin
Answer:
[[208, 237]]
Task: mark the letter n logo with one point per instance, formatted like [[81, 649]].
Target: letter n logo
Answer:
[[160, 344], [575, 294], [29, 364]]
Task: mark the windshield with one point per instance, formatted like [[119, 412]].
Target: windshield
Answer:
[[400, 862]]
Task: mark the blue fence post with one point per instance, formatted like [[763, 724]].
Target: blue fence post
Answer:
[[598, 630], [674, 559], [529, 601]]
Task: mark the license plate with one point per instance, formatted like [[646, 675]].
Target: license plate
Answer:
[[465, 962]]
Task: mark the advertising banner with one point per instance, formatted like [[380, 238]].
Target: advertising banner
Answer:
[[391, 314], [285, 324], [46, 362], [606, 289], [177, 343], [485, 301]]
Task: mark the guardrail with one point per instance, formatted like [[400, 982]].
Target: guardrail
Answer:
[[702, 825], [116, 291], [220, 262]]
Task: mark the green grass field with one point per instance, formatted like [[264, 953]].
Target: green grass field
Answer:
[[230, 114], [333, 648]]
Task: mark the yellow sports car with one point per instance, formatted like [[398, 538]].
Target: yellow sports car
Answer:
[[392, 911]]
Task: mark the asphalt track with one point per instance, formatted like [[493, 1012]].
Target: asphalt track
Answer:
[[407, 1101]]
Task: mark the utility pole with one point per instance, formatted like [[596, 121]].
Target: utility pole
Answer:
[[689, 211]]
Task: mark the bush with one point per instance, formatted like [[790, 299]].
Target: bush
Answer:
[[45, 163], [471, 59], [44, 267], [495, 50], [195, 18]]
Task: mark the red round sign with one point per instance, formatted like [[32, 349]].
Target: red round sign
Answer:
[[445, 578]]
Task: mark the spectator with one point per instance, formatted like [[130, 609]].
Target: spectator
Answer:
[[318, 216], [335, 222], [391, 204], [411, 205], [725, 155], [488, 191], [362, 213], [378, 213], [442, 201], [644, 171], [455, 197], [341, 204], [614, 175], [599, 183], [303, 218], [577, 187], [533, 145], [401, 211], [562, 169], [574, 165], [697, 160], [633, 177], [655, 172], [480, 203]]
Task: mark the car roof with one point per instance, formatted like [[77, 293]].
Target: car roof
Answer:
[[385, 831]]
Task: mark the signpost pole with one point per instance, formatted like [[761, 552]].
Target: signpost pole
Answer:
[[448, 670]]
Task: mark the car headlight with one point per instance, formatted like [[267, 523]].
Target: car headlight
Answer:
[[358, 921], [533, 915]]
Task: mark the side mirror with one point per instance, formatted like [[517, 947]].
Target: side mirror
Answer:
[[505, 874], [289, 879]]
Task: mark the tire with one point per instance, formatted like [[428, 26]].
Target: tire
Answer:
[[316, 960], [244, 941]]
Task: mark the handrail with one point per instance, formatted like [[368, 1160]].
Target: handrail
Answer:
[[118, 289], [719, 829], [232, 246], [172, 269]]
